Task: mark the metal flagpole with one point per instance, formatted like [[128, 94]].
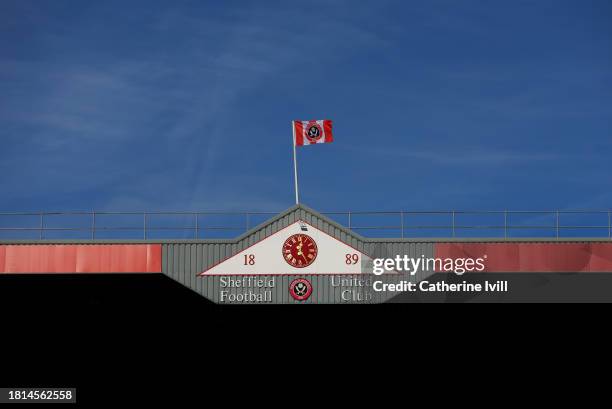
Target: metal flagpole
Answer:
[[297, 195]]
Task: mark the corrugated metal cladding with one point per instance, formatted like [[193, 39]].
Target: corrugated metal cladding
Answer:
[[183, 261]]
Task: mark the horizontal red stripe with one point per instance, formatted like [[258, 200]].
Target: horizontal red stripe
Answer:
[[80, 258], [533, 257]]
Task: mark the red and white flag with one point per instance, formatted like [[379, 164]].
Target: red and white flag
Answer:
[[311, 132]]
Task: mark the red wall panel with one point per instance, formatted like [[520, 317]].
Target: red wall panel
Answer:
[[80, 258], [146, 258], [533, 257], [2, 257]]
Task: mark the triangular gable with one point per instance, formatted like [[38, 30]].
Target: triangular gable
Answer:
[[264, 251], [300, 212]]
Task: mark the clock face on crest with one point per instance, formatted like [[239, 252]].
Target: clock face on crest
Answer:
[[300, 250]]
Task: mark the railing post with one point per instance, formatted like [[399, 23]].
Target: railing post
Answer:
[[453, 223], [41, 225], [402, 222], [93, 225], [557, 224], [144, 229], [505, 224]]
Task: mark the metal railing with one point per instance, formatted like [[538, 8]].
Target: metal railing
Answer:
[[398, 224]]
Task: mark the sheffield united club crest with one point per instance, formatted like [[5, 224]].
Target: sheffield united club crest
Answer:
[[300, 289], [314, 132]]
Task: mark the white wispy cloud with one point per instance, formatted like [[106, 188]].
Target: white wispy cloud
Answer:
[[83, 123]]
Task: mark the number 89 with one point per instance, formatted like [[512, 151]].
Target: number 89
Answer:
[[351, 258]]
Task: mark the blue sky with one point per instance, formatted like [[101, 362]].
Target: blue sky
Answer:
[[186, 105]]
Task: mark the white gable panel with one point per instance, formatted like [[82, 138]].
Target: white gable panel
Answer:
[[267, 256]]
